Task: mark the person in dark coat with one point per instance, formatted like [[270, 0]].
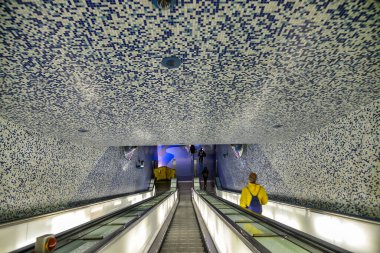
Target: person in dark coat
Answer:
[[201, 155], [192, 150], [205, 177]]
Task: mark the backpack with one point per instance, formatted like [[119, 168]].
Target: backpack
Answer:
[[255, 204]]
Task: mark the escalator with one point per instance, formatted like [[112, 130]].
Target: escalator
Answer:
[[184, 234], [97, 235], [186, 219], [239, 230]]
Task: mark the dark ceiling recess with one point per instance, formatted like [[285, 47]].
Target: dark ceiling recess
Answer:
[[82, 130], [171, 62], [163, 4], [277, 126]]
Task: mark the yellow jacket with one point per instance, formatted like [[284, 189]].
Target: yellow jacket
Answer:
[[246, 197]]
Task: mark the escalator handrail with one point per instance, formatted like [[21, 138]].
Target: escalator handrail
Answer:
[[128, 225], [299, 235], [206, 237], [103, 200], [250, 242], [62, 236], [376, 222]]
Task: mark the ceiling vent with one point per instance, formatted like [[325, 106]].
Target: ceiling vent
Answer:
[[171, 62]]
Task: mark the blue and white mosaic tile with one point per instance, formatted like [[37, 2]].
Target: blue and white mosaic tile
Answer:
[[247, 65], [116, 173], [336, 168], [40, 175]]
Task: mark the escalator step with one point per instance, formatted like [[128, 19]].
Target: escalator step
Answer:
[[183, 244], [182, 240], [182, 249]]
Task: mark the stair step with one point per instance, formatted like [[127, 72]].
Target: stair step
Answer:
[[183, 240], [183, 244], [185, 236], [182, 249], [180, 229]]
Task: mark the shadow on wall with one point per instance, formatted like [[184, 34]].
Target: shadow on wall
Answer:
[[234, 170], [116, 173]]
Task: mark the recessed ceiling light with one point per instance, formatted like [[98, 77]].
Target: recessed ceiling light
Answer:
[[82, 130], [163, 4], [171, 62]]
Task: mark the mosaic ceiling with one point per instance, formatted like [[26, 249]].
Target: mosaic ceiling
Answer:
[[251, 72]]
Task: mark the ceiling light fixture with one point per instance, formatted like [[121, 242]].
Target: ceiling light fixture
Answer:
[[171, 62], [163, 4]]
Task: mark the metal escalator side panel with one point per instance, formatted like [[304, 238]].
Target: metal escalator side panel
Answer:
[[226, 237], [184, 233], [156, 245], [207, 239], [287, 238], [139, 236]]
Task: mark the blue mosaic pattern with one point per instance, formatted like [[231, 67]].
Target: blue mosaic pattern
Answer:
[[115, 174], [335, 168], [35, 173], [247, 65], [233, 171]]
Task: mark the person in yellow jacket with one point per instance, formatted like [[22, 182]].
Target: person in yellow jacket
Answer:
[[253, 196]]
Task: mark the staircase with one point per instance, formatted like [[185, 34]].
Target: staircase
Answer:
[[183, 235]]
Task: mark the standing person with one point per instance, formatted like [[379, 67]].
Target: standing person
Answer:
[[201, 155], [192, 150], [253, 196], [205, 176]]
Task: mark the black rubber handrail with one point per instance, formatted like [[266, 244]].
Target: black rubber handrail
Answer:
[[299, 235]]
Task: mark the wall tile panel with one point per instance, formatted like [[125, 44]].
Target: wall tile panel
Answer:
[[336, 168], [40, 175]]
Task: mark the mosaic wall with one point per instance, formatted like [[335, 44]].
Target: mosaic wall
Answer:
[[247, 66], [336, 168], [40, 175], [116, 172]]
